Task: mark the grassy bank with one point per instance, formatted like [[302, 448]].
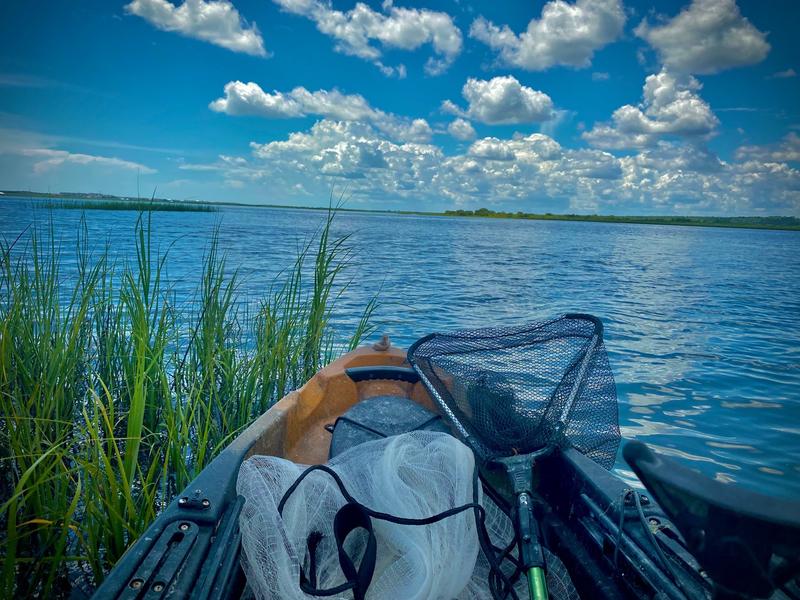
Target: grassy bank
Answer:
[[137, 205], [776, 222], [114, 395]]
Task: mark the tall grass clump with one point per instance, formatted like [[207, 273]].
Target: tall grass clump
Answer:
[[114, 394]]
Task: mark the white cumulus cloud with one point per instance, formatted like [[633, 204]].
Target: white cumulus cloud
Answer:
[[250, 99], [214, 21], [670, 106], [462, 130], [533, 172], [351, 150], [787, 150], [48, 158], [395, 28], [534, 148], [706, 37], [681, 178], [502, 100], [785, 74], [566, 34], [520, 168]]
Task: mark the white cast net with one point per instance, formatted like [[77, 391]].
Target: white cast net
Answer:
[[414, 475]]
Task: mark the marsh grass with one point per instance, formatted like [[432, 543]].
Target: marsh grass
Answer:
[[113, 397]]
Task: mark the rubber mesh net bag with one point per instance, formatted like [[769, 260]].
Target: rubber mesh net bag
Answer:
[[414, 475], [515, 390]]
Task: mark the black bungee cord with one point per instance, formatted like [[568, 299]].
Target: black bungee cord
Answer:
[[355, 515]]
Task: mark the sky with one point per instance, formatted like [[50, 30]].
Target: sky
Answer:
[[584, 106]]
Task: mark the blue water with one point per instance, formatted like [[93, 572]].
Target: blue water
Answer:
[[701, 324]]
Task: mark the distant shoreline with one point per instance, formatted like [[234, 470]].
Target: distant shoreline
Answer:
[[778, 223]]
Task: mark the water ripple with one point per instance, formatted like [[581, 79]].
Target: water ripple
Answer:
[[700, 323]]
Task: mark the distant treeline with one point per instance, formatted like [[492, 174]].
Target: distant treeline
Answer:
[[80, 195], [137, 205], [791, 223], [93, 201]]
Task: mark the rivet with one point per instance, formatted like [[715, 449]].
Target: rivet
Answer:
[[183, 500], [157, 587], [183, 526], [136, 583]]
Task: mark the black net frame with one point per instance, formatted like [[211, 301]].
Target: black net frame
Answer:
[[518, 390]]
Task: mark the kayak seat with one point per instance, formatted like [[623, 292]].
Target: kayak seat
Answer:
[[381, 417]]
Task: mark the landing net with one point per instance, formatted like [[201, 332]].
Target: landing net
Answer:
[[516, 390]]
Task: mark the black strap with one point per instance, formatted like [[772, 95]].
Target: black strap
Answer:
[[350, 517], [312, 541]]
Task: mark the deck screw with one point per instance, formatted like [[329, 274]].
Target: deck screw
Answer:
[[183, 526], [136, 583], [157, 587]]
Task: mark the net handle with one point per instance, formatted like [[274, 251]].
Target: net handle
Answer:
[[573, 395], [467, 437]]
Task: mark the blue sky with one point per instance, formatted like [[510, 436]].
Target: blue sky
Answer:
[[598, 106]]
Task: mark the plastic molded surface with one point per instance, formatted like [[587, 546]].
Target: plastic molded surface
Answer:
[[380, 417]]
